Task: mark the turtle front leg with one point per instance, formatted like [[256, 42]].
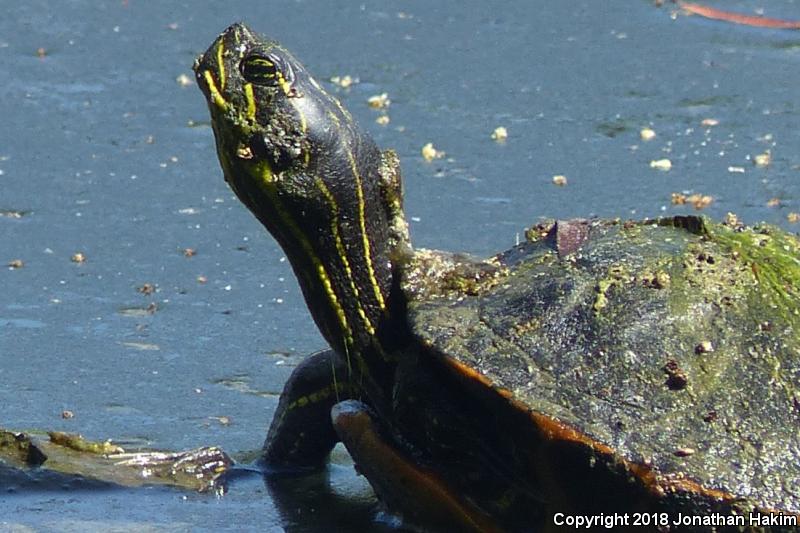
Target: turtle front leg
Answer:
[[301, 434]]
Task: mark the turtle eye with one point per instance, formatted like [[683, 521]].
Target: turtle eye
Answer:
[[260, 70]]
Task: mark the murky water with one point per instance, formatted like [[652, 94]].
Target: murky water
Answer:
[[104, 152]]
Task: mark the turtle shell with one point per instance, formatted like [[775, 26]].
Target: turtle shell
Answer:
[[669, 347]]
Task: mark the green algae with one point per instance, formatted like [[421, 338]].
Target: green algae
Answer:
[[616, 276], [773, 256]]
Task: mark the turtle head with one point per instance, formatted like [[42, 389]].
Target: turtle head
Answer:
[[296, 158], [270, 117]]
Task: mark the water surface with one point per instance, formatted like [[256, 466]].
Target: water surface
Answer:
[[104, 152]]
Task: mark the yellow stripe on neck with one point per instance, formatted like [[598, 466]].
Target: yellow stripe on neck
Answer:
[[365, 238], [265, 177], [340, 248], [362, 222]]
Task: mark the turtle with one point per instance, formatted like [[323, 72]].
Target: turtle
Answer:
[[602, 372]]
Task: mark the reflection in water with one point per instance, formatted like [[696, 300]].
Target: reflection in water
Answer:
[[326, 500]]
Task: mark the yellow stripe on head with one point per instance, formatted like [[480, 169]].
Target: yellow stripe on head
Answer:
[[216, 96], [221, 65], [251, 101]]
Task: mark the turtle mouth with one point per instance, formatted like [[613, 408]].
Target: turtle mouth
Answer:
[[200, 70]]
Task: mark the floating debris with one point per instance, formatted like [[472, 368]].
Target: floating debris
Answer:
[[66, 414], [382, 120], [379, 101], [184, 81], [500, 134], [14, 264], [429, 153], [223, 420], [146, 289], [647, 134], [145, 346], [13, 213], [139, 311], [709, 122], [698, 201], [189, 252], [774, 202], [763, 160], [736, 170], [78, 257], [793, 217], [41, 52], [202, 279], [738, 18], [661, 164], [559, 180], [344, 81]]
